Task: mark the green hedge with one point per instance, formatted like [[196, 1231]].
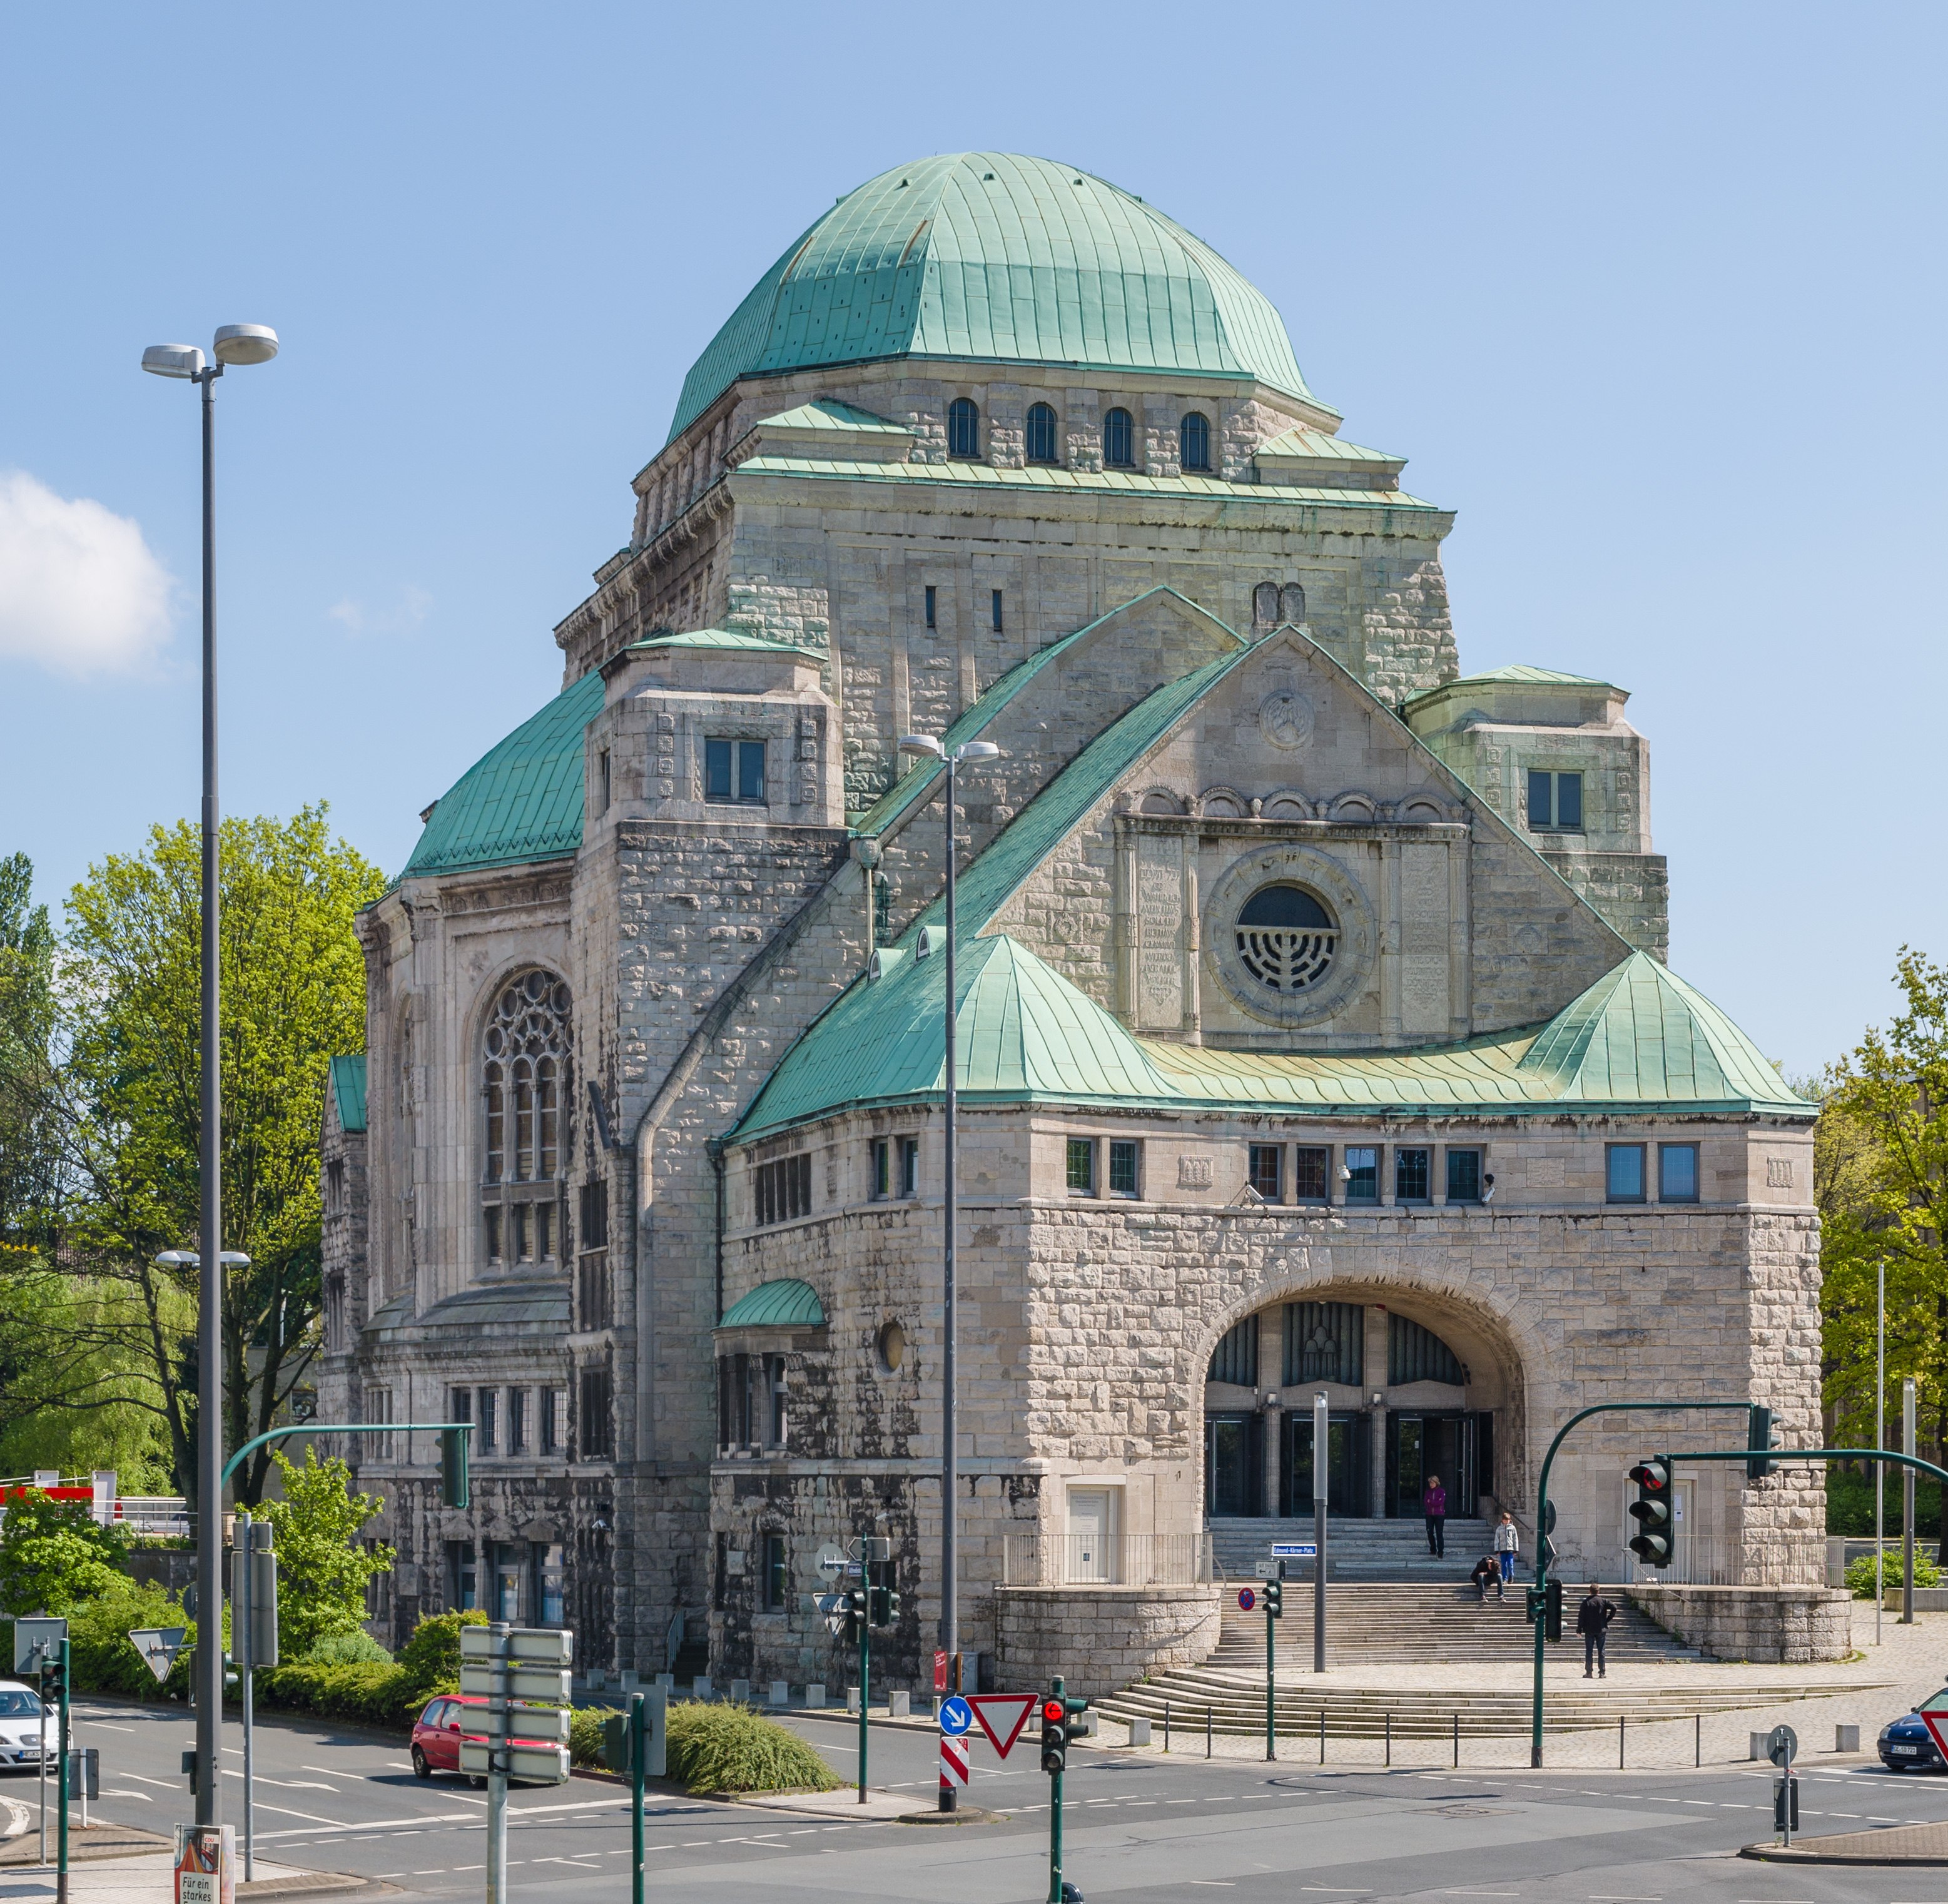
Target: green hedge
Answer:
[[377, 1692], [720, 1748]]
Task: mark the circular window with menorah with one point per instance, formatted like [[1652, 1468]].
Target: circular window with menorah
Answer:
[[1287, 938]]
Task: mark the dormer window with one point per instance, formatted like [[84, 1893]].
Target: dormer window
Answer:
[[1555, 801], [733, 771]]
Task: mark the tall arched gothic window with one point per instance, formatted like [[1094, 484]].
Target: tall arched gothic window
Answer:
[[525, 1062]]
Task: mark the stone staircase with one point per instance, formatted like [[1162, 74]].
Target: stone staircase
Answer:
[[1355, 1550]]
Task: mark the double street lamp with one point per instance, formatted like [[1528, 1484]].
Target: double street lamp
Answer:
[[969, 753], [234, 344]]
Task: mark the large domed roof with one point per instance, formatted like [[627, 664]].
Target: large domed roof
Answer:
[[989, 256]]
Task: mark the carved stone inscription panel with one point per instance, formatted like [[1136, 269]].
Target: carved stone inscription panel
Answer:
[[1423, 940], [1159, 932]]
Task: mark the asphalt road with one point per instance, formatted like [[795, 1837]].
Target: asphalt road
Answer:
[[1138, 1827]]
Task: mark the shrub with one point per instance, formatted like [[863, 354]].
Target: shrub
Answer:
[[373, 1691], [432, 1656], [732, 1748], [322, 1568], [357, 1648], [101, 1658], [1860, 1572]]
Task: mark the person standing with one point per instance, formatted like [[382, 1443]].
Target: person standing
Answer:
[[1592, 1621], [1433, 1505], [1507, 1544]]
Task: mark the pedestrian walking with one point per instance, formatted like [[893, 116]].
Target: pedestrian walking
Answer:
[[1507, 1544], [1592, 1621], [1434, 1504]]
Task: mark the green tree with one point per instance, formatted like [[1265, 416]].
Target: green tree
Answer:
[[53, 1555], [1880, 1172], [322, 1570], [29, 1151], [123, 1101]]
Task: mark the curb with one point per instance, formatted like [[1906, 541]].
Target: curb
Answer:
[[1780, 1854]]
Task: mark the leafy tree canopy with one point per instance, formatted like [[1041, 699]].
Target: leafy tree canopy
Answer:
[[53, 1555], [322, 1569]]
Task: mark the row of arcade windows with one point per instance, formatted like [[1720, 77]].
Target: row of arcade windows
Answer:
[[1302, 1174], [1326, 1341], [1041, 443]]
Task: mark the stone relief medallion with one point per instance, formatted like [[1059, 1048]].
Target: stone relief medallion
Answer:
[[1285, 719], [1288, 974]]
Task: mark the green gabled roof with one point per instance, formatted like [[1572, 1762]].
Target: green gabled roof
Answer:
[[985, 475], [827, 413], [995, 257], [720, 638], [915, 784], [1321, 447], [348, 1091], [1523, 675], [522, 800], [787, 1304], [1641, 1033]]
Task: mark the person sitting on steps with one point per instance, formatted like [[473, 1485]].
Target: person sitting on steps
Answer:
[[1485, 1570]]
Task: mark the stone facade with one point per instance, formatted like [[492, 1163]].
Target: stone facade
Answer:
[[1204, 687], [1788, 1625]]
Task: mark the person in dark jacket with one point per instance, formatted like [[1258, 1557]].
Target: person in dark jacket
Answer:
[[1485, 1570], [1594, 1615], [1434, 1504]]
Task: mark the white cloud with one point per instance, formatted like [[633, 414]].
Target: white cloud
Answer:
[[404, 617], [80, 592]]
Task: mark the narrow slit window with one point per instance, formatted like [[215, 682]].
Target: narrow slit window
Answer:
[[882, 1168], [1677, 1172], [932, 606], [994, 609], [909, 1167], [1623, 1172], [1362, 1173]]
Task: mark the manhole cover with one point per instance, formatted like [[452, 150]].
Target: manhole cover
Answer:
[[1472, 1811]]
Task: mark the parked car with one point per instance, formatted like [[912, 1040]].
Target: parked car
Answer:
[[437, 1734], [20, 1728], [1905, 1744]]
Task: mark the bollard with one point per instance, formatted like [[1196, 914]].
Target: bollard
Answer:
[[1207, 1731], [740, 1692], [1140, 1731], [1457, 1742], [1166, 1725], [899, 1705], [1390, 1738], [1321, 1734], [1846, 1739], [1620, 1741], [814, 1696], [1698, 1740], [780, 1693], [699, 1687]]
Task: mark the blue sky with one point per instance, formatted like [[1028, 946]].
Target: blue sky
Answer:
[[1653, 302]]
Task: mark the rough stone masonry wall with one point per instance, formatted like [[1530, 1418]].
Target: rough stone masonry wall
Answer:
[[1789, 1626], [1100, 1639]]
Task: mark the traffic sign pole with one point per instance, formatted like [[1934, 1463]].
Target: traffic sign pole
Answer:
[[1321, 1444], [639, 1754], [60, 1879], [1055, 1694], [1271, 1683], [865, 1676]]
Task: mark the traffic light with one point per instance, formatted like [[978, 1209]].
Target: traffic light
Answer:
[[1537, 1603], [1072, 1727], [1653, 1540], [1552, 1610], [1274, 1599], [616, 1740], [858, 1607], [1758, 1434], [1054, 1735], [885, 1606], [453, 1488]]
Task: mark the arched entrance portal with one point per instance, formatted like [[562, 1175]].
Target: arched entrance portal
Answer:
[[1413, 1390]]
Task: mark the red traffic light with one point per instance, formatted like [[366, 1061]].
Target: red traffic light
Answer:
[[1052, 1712], [1651, 1475]]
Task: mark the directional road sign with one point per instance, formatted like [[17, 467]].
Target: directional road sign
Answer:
[[37, 1644], [1247, 1599], [1934, 1710], [831, 1560], [159, 1646], [1002, 1716], [1294, 1550], [1782, 1748], [956, 1716]]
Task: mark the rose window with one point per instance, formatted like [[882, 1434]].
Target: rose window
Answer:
[[1287, 938]]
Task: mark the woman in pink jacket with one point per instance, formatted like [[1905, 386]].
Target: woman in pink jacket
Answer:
[[1434, 1504]]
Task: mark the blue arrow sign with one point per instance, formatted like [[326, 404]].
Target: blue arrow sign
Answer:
[[956, 1716]]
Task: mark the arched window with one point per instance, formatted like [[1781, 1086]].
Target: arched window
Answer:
[[1193, 441], [524, 1068], [1285, 938], [1041, 433], [964, 428], [1292, 604], [1265, 604], [1119, 437]]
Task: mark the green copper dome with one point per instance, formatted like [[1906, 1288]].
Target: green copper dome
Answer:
[[989, 255]]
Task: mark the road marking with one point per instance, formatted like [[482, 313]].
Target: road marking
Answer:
[[105, 1726], [143, 1795], [168, 1785]]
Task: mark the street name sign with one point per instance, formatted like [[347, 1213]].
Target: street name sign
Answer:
[[1294, 1550]]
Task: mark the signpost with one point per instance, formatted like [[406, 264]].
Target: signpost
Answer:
[[512, 1667], [40, 1647], [1321, 1453], [1782, 1748], [637, 1742], [254, 1642]]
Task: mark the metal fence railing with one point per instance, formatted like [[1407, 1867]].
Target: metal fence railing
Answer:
[[1111, 1560]]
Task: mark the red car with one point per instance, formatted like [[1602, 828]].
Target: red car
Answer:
[[437, 1733]]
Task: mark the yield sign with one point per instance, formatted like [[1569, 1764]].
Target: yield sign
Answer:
[[1010, 1711], [159, 1646], [1934, 1711]]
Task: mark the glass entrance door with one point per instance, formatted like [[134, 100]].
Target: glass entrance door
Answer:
[[1420, 1446], [1349, 1467], [1234, 1465]]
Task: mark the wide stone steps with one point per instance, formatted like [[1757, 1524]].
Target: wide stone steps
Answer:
[[1355, 1550], [1385, 1624]]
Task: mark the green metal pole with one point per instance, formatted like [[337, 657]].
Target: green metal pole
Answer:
[[865, 1681], [1542, 1530], [639, 1752], [1055, 1816], [60, 1880], [343, 1427], [1271, 1706]]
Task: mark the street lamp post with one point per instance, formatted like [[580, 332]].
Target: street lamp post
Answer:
[[969, 752], [234, 343]]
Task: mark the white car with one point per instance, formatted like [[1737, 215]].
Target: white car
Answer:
[[20, 1727]]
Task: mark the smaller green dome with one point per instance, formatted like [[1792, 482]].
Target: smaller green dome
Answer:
[[994, 256]]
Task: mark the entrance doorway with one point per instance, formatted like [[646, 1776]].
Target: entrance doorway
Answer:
[[1234, 1465], [1451, 1444], [1349, 1465]]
